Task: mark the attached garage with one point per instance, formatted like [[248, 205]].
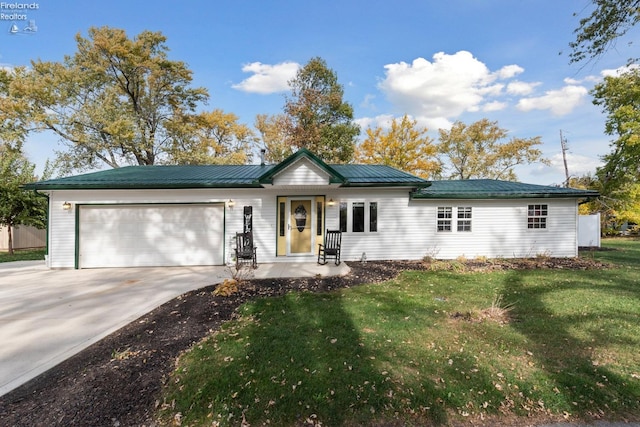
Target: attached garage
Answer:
[[150, 235]]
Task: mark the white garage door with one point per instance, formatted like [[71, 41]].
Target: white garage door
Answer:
[[151, 235]]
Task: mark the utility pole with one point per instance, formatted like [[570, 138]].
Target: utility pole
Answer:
[[563, 144]]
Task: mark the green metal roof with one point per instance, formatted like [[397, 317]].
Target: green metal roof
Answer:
[[159, 177], [226, 176], [255, 176], [495, 189], [365, 175]]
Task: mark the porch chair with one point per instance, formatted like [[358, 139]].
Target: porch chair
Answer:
[[245, 250], [331, 246]]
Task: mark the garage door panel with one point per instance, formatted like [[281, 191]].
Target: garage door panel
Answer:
[[151, 235]]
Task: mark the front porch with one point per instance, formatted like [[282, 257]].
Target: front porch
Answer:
[[293, 270]]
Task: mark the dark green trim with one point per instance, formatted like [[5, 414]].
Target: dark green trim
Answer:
[[136, 186], [488, 196], [334, 177], [483, 189], [77, 237]]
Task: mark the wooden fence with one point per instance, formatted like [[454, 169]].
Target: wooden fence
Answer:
[[24, 237]]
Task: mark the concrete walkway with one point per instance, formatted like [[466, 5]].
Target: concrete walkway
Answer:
[[47, 315]]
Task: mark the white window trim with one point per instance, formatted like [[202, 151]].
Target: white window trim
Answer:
[[367, 216], [545, 217], [454, 220]]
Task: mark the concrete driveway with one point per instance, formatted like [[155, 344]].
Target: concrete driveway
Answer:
[[47, 315]]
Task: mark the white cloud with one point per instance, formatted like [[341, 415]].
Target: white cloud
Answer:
[[367, 102], [521, 88], [440, 90], [618, 71], [384, 121], [266, 78], [510, 71], [494, 106], [559, 102], [577, 164]]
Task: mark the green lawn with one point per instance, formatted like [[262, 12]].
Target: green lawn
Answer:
[[23, 255], [432, 347]]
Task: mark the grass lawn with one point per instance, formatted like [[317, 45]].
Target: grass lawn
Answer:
[[23, 255], [434, 347]]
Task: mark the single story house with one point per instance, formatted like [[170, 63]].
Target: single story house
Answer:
[[188, 215]]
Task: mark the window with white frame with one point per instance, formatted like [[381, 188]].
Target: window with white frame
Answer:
[[343, 216], [444, 218], [359, 217], [373, 217], [464, 218], [537, 216]]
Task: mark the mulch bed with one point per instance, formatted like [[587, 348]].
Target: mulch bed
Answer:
[[118, 380]]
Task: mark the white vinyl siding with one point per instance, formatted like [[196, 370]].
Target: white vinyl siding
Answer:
[[406, 229], [500, 230]]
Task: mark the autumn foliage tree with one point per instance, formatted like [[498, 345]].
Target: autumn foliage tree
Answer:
[[404, 146], [273, 137], [14, 122], [111, 101], [479, 150], [317, 118], [213, 137]]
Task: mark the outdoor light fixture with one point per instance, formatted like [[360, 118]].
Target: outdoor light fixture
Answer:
[[231, 203], [66, 206], [331, 202]]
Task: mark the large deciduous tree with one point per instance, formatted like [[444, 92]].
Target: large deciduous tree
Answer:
[[14, 121], [273, 136], [404, 146], [619, 97], [478, 151], [213, 137], [317, 117], [599, 31], [110, 102], [18, 206]]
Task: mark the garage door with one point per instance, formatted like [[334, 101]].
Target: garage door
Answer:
[[151, 235]]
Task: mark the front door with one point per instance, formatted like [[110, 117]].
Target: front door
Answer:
[[300, 226]]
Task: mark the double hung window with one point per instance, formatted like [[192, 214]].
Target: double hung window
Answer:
[[537, 216]]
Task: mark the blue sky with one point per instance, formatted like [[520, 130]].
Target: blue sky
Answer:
[[437, 61]]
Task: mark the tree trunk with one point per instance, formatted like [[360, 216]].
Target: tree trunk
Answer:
[[9, 229]]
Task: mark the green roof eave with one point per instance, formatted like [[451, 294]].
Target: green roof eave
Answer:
[[334, 176], [412, 185], [43, 186], [496, 189], [417, 195]]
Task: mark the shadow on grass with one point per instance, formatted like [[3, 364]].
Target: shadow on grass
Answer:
[[295, 359], [570, 345]]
